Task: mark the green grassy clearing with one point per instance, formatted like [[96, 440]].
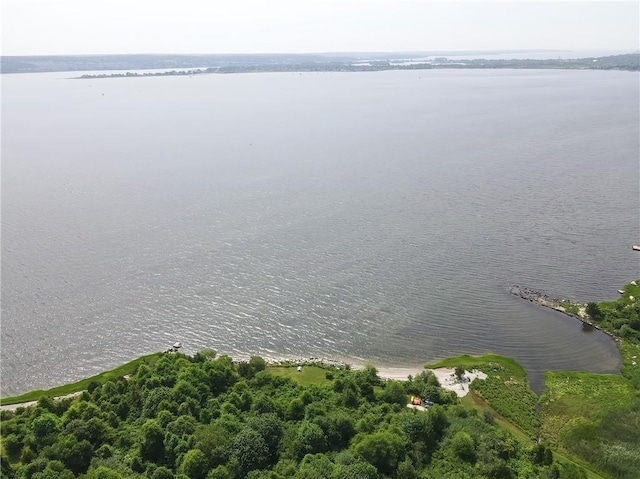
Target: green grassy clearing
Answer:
[[630, 352], [480, 362], [309, 374], [82, 385], [594, 417]]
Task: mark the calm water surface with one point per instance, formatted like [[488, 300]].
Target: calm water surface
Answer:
[[359, 216]]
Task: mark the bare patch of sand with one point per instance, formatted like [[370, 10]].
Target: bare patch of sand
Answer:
[[446, 377]]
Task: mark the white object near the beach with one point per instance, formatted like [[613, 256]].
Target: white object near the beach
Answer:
[[415, 406], [177, 345], [299, 369]]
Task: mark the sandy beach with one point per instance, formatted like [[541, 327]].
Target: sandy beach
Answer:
[[446, 377]]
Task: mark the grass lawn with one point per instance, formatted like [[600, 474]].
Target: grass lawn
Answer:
[[309, 374], [630, 352], [488, 361], [82, 385], [595, 417]]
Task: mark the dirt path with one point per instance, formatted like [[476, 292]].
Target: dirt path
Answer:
[[13, 407]]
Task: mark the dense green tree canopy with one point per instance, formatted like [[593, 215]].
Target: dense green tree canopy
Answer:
[[206, 417]]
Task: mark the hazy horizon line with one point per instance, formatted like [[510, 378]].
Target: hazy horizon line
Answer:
[[335, 52]]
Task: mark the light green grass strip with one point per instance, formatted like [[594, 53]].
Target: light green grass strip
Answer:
[[82, 385], [471, 362]]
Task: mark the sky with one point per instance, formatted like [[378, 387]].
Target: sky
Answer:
[[54, 27]]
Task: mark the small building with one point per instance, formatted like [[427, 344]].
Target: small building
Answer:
[[416, 401]]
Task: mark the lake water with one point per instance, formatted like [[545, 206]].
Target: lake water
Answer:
[[359, 216]]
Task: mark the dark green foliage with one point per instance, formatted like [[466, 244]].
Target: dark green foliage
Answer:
[[95, 430], [406, 470], [215, 440], [75, 454], [621, 317], [220, 472], [463, 446], [416, 385], [204, 355], [208, 418], [295, 410], [594, 312], [54, 470], [257, 364], [27, 455], [6, 470], [250, 451], [12, 446], [541, 454], [424, 431], [338, 428], [47, 403], [45, 426], [152, 445], [194, 464], [252, 367], [269, 427], [359, 470], [384, 449], [315, 466], [310, 439], [162, 473], [394, 393]]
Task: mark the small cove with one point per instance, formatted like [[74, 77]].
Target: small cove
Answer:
[[367, 217]]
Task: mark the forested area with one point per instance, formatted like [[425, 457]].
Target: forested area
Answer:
[[209, 417]]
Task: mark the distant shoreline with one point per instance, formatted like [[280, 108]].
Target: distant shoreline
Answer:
[[188, 65], [601, 63]]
